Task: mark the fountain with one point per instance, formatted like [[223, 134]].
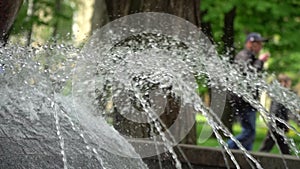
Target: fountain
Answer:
[[62, 107], [38, 129]]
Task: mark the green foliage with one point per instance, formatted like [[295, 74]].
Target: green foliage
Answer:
[[55, 15], [261, 132], [287, 63], [275, 19], [202, 87], [278, 20]]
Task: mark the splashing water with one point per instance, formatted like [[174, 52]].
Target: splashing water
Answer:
[[38, 125], [55, 98], [137, 65]]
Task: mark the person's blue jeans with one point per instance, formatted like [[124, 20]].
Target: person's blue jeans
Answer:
[[1, 69], [247, 118]]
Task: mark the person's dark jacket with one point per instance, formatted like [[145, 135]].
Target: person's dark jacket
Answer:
[[281, 112], [248, 59], [247, 63]]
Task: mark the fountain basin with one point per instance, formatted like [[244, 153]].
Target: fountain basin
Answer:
[[212, 158], [13, 156]]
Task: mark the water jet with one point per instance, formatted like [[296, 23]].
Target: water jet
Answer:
[[54, 116]]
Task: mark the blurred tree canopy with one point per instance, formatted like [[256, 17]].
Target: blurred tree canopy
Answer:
[[225, 22], [50, 19], [274, 19]]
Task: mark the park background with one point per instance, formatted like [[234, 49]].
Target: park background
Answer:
[[225, 23]]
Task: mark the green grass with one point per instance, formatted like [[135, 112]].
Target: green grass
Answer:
[[261, 131]]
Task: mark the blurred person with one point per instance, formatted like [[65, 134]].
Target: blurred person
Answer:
[[249, 62], [281, 112]]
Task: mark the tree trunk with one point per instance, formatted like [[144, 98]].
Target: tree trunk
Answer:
[[57, 12], [206, 27], [228, 39], [228, 36], [100, 16], [30, 10], [8, 12], [189, 10]]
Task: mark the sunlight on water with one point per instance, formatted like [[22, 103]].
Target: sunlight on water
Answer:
[[37, 113], [84, 106], [145, 67]]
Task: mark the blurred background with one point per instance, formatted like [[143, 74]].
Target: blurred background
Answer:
[[225, 23]]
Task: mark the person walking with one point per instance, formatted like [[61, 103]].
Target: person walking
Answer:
[[280, 112], [248, 61]]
